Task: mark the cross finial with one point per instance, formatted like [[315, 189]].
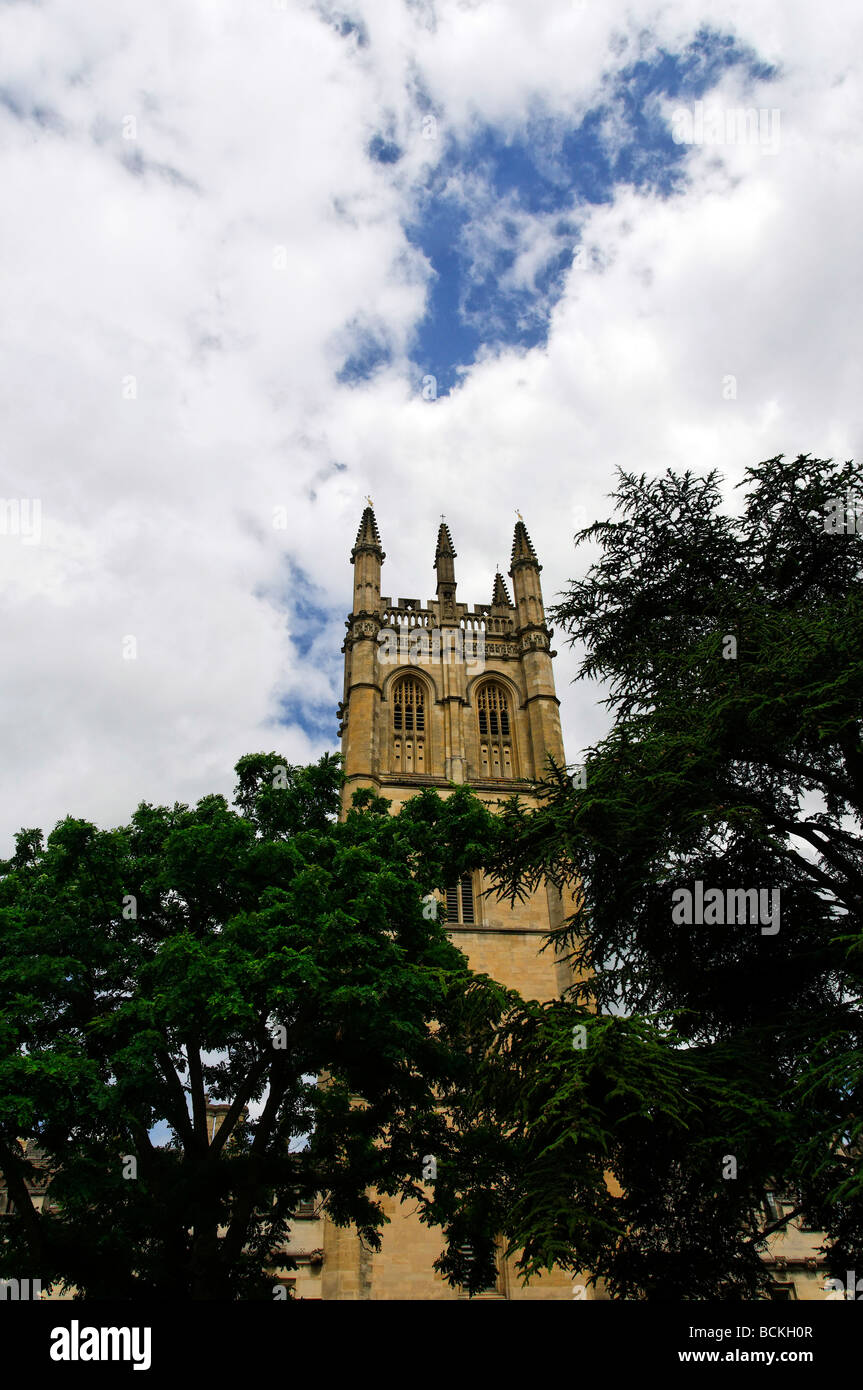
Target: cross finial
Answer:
[[519, 515], [370, 502]]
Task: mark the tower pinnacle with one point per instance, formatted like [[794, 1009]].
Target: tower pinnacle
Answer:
[[500, 598], [444, 563], [368, 536], [523, 552], [445, 546]]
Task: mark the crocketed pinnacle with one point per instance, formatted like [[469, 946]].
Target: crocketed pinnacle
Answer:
[[522, 546], [445, 547], [500, 598], [368, 536]]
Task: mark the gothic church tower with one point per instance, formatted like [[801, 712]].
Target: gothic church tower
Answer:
[[438, 693]]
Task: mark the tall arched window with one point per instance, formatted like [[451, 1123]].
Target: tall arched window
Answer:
[[496, 752], [409, 725]]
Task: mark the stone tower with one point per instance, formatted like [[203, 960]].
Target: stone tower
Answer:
[[438, 693]]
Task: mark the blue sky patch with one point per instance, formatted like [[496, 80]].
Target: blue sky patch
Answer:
[[370, 353], [384, 151], [498, 216], [312, 623], [346, 26]]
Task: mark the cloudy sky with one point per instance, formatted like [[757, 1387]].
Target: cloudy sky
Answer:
[[238, 240]]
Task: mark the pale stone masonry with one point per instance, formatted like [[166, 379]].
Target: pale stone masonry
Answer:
[[438, 694]]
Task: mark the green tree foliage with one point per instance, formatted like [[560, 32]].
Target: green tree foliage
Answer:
[[731, 646], [235, 955]]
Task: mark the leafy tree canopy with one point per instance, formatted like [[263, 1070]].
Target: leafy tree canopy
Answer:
[[731, 644], [237, 956]]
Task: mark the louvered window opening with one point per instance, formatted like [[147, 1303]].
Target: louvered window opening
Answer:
[[409, 708], [493, 712], [459, 901], [409, 727], [495, 744]]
